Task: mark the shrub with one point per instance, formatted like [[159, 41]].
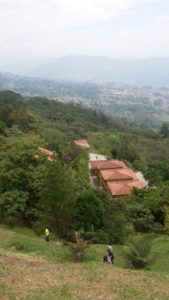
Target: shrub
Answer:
[[79, 248], [138, 252]]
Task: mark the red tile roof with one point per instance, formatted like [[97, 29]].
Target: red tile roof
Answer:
[[107, 164], [121, 189], [118, 174]]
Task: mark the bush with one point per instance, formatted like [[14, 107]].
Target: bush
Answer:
[[138, 252], [116, 228], [158, 228], [78, 248], [88, 211]]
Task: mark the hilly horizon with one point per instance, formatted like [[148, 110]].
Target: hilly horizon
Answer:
[[97, 69], [150, 71]]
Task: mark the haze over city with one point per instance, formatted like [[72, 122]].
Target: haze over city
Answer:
[[34, 32]]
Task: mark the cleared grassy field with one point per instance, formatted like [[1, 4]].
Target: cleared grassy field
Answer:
[[31, 269]]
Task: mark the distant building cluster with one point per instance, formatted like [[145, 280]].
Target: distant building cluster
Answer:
[[115, 177], [124, 95]]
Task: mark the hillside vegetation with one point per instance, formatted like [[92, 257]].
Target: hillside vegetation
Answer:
[[27, 196]]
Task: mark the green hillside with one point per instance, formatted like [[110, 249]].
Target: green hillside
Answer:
[[27, 196], [33, 269]]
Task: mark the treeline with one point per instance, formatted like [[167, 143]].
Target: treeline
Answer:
[[13, 112], [48, 88]]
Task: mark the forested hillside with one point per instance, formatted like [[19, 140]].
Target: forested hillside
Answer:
[[36, 192]]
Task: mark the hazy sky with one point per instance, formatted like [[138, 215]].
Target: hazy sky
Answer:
[[34, 30]]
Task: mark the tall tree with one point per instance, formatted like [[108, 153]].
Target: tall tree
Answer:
[[58, 198], [88, 211]]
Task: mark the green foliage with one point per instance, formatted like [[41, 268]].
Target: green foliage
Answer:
[[166, 224], [145, 208], [88, 211], [26, 241], [58, 197], [160, 251], [78, 248], [13, 204], [164, 130], [115, 223], [20, 179], [80, 165], [52, 188], [14, 112], [124, 151], [141, 217], [164, 192], [82, 119], [158, 171], [138, 252], [2, 127], [100, 218], [54, 139], [10, 97]]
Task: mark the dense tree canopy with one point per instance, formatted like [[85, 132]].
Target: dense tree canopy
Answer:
[[37, 192], [58, 197]]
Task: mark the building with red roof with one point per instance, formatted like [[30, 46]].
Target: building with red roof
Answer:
[[118, 174], [123, 189], [115, 177], [106, 165]]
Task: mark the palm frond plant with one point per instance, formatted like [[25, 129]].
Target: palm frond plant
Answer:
[[79, 247], [138, 252]]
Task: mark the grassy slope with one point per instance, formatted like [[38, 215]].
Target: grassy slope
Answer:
[[30, 269]]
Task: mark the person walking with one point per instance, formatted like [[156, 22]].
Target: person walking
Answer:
[[47, 234]]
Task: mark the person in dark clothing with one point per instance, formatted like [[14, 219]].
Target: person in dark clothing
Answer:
[[110, 254]]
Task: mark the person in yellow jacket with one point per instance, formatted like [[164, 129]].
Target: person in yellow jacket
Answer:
[[47, 234]]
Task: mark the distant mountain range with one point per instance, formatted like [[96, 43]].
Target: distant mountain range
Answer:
[[152, 71]]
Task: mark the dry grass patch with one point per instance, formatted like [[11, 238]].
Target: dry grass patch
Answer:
[[40, 280]]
